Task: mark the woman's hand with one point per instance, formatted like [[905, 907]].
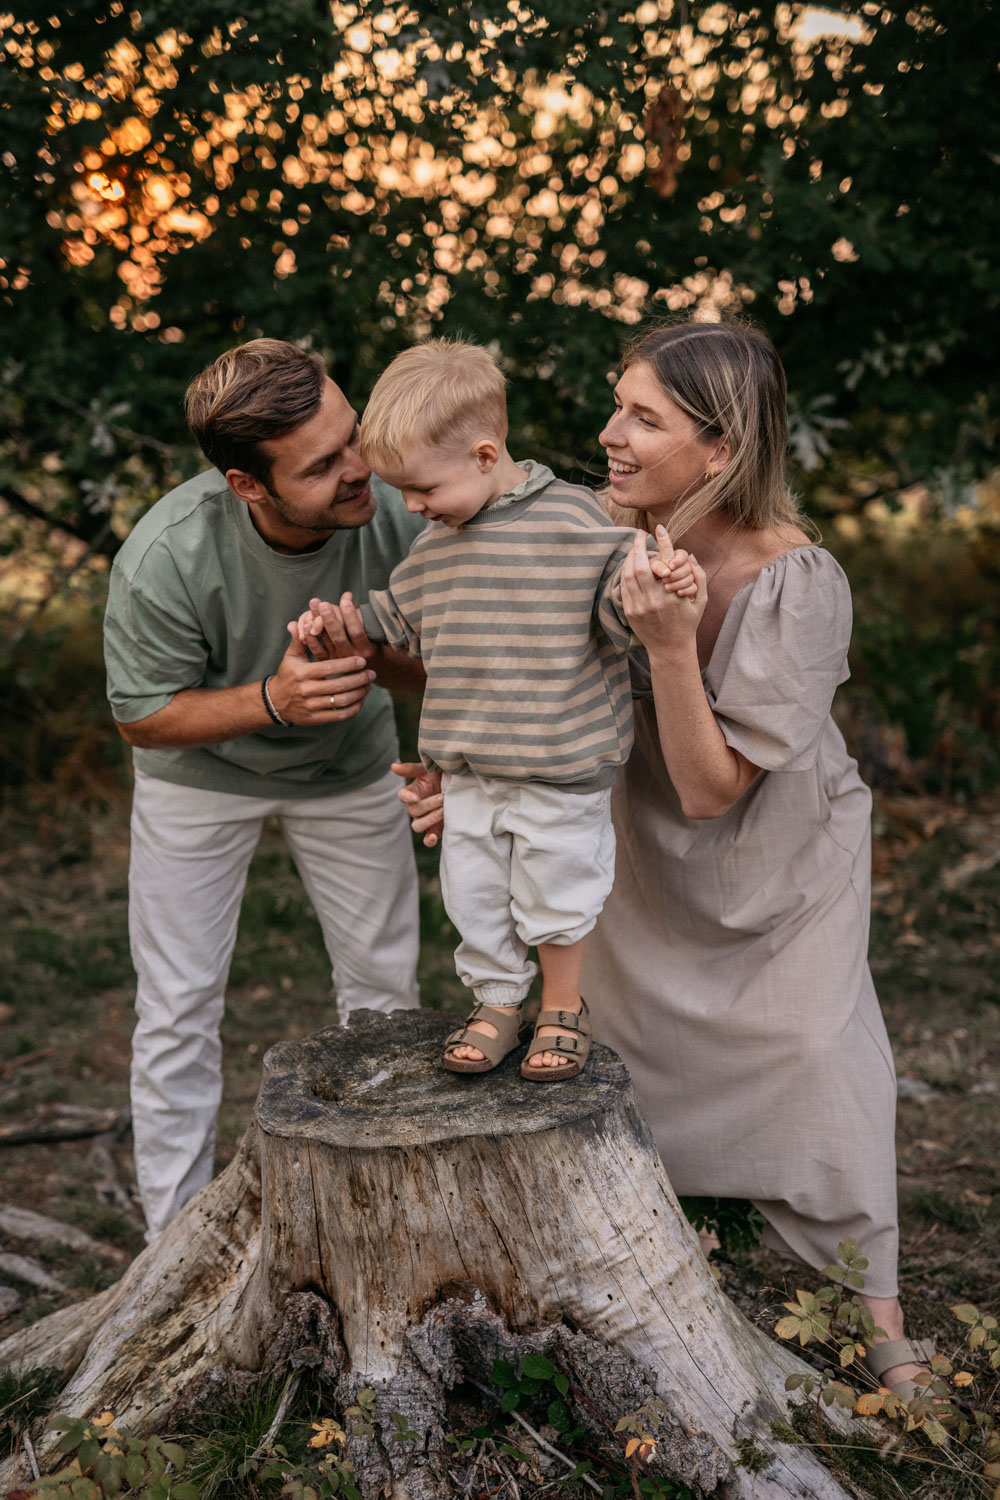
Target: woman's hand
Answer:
[[423, 799], [664, 597]]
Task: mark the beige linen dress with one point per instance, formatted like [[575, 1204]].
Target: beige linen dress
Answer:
[[729, 967]]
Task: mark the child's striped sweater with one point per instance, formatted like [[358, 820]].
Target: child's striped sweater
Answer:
[[517, 616]]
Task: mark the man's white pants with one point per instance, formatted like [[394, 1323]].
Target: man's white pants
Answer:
[[190, 853]]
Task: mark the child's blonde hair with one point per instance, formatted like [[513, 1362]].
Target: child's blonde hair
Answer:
[[440, 393]]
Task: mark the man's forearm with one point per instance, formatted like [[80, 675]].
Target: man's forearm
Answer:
[[200, 716]]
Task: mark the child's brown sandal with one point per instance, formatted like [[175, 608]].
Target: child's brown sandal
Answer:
[[511, 1031], [575, 1047]]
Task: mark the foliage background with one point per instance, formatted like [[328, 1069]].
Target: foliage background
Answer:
[[354, 175], [541, 178], [179, 177]]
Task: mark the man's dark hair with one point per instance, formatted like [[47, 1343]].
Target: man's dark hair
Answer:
[[260, 390]]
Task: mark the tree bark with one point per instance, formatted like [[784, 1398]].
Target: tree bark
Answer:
[[398, 1227]]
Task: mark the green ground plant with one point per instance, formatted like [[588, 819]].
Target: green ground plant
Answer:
[[835, 1320], [734, 1220], [106, 1462], [24, 1396]]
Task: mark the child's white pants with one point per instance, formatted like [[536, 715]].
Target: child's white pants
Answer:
[[190, 853], [522, 863]]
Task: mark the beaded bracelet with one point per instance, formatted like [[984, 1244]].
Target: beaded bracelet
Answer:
[[266, 696]]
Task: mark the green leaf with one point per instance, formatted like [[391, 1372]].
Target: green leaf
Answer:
[[558, 1415], [109, 1471], [503, 1373], [935, 1432], [510, 1450], [537, 1367], [510, 1400], [88, 1453], [561, 1383], [966, 1313], [135, 1469]]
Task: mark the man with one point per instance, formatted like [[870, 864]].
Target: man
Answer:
[[232, 723]]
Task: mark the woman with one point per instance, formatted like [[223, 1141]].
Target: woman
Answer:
[[729, 966]]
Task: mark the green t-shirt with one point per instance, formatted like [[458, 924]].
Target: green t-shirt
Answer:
[[197, 599]]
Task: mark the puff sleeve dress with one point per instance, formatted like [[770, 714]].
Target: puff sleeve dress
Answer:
[[729, 966]]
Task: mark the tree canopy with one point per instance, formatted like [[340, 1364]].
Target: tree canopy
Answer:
[[538, 177]]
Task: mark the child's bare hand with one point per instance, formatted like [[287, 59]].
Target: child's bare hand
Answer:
[[673, 567], [664, 619], [312, 633], [680, 577], [343, 627], [422, 798]]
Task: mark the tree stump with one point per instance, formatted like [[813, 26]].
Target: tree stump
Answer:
[[399, 1227]]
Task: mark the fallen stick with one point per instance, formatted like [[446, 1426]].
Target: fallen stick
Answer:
[[65, 1127], [23, 1268], [26, 1057], [24, 1224]]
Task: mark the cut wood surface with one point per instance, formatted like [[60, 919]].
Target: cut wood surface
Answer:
[[399, 1227]]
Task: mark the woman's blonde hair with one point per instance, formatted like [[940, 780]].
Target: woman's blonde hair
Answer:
[[729, 379], [439, 393]]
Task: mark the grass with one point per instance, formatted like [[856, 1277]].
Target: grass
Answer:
[[22, 1398]]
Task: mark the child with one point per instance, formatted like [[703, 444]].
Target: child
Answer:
[[512, 598]]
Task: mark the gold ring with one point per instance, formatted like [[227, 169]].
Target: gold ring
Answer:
[[333, 700]]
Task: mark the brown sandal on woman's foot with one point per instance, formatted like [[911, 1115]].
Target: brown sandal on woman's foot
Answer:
[[575, 1047], [882, 1357], [510, 1029]]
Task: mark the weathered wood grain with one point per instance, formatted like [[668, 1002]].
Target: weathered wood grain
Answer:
[[397, 1225]]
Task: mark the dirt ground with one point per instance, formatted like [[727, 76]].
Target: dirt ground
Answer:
[[65, 1020]]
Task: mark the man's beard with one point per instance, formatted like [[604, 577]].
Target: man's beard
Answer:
[[332, 521]]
